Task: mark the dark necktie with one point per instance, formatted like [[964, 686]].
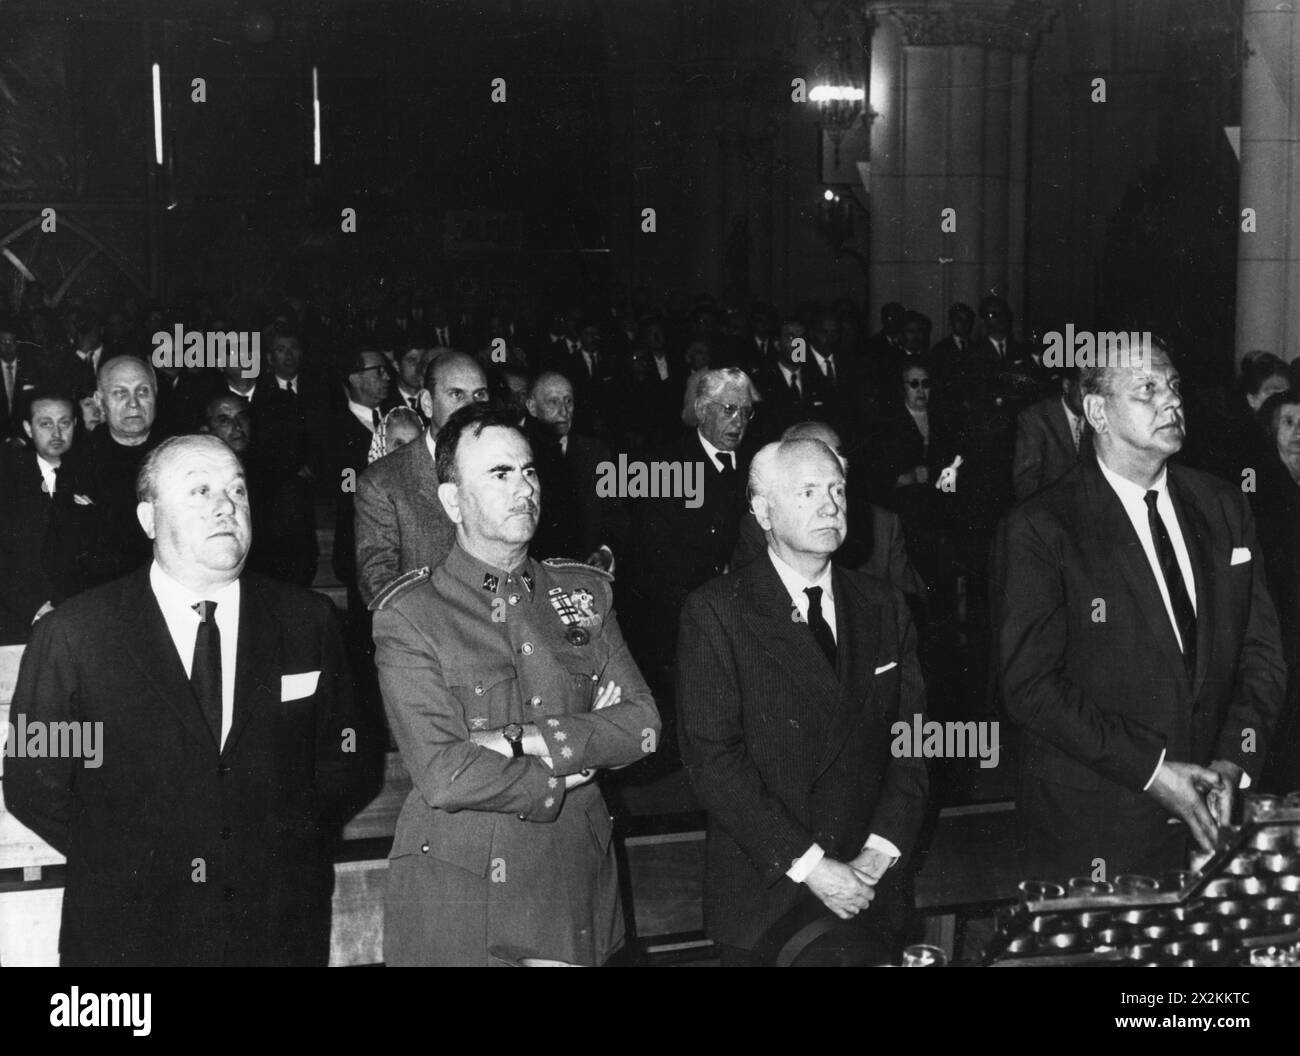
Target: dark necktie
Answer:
[[794, 385], [374, 417], [205, 672], [1184, 614], [414, 401], [728, 461], [817, 623]]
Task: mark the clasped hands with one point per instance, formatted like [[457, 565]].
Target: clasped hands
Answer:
[[846, 889], [1201, 796]]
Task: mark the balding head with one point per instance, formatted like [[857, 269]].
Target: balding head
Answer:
[[451, 380], [551, 401], [127, 392], [820, 432]]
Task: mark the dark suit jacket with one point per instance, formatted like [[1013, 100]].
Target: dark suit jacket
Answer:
[[400, 522], [1044, 447], [13, 414], [780, 409], [1100, 694], [350, 450], [677, 548], [24, 515], [575, 521], [257, 817], [783, 751], [94, 542]]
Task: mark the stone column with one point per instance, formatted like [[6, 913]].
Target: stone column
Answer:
[[1268, 260], [950, 83]]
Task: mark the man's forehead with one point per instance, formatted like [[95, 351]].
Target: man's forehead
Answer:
[[555, 387], [462, 376], [200, 462], [126, 374], [732, 392], [494, 444], [809, 464], [46, 407]]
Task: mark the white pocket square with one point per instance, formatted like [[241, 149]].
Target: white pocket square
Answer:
[[886, 667], [295, 687], [1240, 555]]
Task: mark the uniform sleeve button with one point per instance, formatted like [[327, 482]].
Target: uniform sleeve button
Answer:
[[526, 648], [522, 818], [478, 689], [424, 848], [535, 702], [514, 599]]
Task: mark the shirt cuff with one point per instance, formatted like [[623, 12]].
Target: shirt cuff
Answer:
[[879, 843], [806, 863], [1159, 764]]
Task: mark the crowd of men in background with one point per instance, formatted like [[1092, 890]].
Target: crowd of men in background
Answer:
[[943, 437]]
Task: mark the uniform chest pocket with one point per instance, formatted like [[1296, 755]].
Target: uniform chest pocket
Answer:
[[488, 694], [577, 676]]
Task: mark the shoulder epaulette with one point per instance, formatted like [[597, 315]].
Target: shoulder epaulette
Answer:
[[399, 586], [564, 564]]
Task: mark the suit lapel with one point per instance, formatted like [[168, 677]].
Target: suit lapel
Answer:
[[1060, 426], [257, 683], [791, 643], [1112, 522], [149, 645]]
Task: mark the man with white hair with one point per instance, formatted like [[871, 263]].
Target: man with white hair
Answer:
[[790, 675], [683, 546]]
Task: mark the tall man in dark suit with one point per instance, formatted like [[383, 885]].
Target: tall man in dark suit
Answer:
[[1051, 436], [201, 835], [791, 674], [27, 480], [401, 525], [17, 382], [793, 388], [576, 522], [1139, 649], [680, 546]]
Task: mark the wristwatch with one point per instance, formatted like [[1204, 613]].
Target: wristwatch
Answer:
[[514, 735]]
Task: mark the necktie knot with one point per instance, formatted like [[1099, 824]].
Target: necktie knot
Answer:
[[207, 610], [728, 461], [814, 598], [821, 630], [1152, 497]]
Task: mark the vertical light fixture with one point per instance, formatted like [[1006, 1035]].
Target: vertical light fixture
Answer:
[[315, 116], [157, 115]]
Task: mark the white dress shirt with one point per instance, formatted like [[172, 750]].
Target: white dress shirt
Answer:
[[788, 373], [716, 453], [823, 364], [176, 602], [432, 445], [1133, 498], [287, 384], [47, 474], [661, 366], [246, 395], [795, 583], [364, 415]]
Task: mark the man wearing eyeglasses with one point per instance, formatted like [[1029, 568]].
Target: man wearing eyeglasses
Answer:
[[682, 547]]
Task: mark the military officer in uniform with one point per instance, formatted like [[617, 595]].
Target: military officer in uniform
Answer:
[[508, 686]]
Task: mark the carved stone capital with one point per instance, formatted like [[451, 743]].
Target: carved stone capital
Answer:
[[1009, 25]]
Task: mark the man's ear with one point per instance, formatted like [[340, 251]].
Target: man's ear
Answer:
[[144, 514], [426, 403], [27, 428], [531, 405], [99, 402], [449, 496], [761, 512], [1094, 411]]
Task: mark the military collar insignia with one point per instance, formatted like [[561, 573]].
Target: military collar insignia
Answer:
[[490, 581]]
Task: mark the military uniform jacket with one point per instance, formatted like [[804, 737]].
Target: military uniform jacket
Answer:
[[492, 860]]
